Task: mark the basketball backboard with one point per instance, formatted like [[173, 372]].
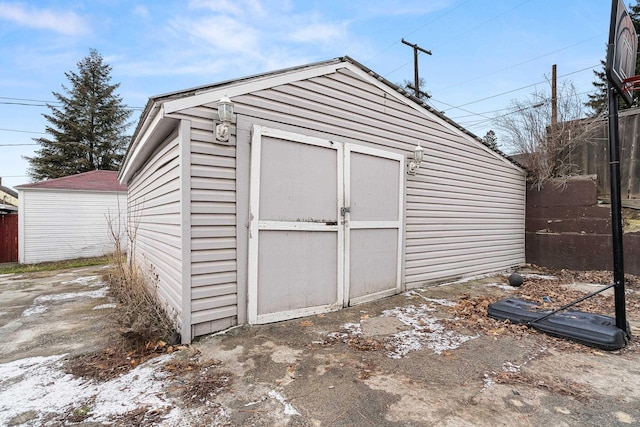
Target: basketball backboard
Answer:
[[621, 50]]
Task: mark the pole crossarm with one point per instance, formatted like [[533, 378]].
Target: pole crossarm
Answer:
[[416, 47], [416, 79]]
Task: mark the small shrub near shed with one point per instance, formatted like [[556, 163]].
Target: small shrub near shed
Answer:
[[142, 317], [140, 314]]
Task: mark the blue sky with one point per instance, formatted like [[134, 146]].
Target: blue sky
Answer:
[[485, 52]]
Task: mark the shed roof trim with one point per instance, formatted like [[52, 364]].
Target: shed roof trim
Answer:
[[98, 180], [194, 97]]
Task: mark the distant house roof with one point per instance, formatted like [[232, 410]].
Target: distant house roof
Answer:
[[98, 180], [8, 191]]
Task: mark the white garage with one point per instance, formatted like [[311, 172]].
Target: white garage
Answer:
[[67, 218], [310, 196]]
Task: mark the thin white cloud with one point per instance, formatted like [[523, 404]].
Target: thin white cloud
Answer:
[[223, 33], [325, 33], [373, 8], [63, 22], [141, 11], [233, 7], [219, 40]]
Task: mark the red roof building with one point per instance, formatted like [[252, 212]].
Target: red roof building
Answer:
[[97, 180], [70, 217]]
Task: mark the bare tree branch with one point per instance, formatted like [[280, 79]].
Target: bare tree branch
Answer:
[[545, 149]]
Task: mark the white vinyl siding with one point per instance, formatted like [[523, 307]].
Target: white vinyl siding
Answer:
[[464, 208], [463, 211], [65, 224], [154, 217], [214, 300]]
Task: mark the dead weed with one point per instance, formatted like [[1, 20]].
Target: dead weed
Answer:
[[552, 385], [116, 360], [550, 293], [364, 344], [199, 381]]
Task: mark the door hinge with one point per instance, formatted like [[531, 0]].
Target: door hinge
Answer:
[[343, 211]]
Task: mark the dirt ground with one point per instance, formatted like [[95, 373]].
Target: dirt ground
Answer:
[[427, 357]]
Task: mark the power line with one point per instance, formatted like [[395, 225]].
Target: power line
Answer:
[[15, 145], [489, 120], [41, 103], [22, 131], [23, 104], [450, 39], [520, 88], [26, 99], [518, 64], [471, 114], [415, 31]]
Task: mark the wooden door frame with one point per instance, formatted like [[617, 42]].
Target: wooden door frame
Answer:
[[360, 225], [343, 156], [256, 225]]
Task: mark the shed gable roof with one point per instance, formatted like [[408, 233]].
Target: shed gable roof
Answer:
[[98, 180], [158, 107]]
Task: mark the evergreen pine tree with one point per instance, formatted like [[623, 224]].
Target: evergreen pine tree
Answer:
[[598, 101], [490, 139], [87, 130]]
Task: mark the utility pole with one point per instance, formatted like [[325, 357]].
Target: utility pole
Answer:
[[416, 78], [554, 97], [554, 104]]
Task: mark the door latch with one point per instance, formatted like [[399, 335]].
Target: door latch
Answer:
[[343, 211]]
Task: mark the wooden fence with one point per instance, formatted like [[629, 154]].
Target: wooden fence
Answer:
[[592, 156], [8, 238]]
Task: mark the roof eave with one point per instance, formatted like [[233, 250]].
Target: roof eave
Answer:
[[150, 133]]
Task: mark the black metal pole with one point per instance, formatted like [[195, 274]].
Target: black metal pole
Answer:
[[616, 211]]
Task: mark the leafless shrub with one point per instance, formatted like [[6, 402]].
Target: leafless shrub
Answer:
[[546, 149], [140, 313]]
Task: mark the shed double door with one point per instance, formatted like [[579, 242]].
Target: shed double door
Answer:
[[325, 225]]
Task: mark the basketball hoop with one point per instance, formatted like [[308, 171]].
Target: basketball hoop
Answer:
[[631, 84]]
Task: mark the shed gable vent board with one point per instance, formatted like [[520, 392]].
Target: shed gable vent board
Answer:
[[326, 225]]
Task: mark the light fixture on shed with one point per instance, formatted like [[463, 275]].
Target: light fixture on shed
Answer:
[[225, 114], [418, 155]]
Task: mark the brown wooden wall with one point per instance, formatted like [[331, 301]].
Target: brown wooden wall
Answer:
[[8, 237], [592, 156], [567, 228]]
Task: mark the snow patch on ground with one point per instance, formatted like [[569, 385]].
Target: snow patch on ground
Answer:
[[468, 279], [426, 331], [32, 311], [442, 302], [104, 306], [510, 367], [500, 286], [348, 330], [288, 407], [488, 381], [39, 384], [85, 281], [38, 306], [538, 276]]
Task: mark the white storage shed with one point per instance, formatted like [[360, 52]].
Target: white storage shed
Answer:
[[66, 218], [314, 202]]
